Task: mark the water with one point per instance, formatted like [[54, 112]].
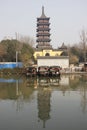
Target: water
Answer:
[[44, 103]]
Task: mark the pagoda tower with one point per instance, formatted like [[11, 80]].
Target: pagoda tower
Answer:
[[43, 32]]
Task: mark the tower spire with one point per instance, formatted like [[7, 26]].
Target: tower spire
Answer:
[[43, 14], [42, 10]]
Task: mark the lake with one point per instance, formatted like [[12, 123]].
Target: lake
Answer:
[[43, 103]]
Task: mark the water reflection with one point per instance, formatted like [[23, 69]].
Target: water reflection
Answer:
[[44, 106], [43, 93]]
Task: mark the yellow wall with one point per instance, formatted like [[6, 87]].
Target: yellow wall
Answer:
[[44, 52]]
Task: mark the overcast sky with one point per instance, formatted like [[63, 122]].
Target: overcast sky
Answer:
[[67, 18]]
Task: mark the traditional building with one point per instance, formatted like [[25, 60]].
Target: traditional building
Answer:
[[44, 51], [63, 47], [43, 32], [43, 47], [47, 52]]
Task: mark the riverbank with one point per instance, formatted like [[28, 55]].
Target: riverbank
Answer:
[[14, 73], [75, 72]]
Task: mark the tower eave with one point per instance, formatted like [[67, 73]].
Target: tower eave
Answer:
[[43, 18]]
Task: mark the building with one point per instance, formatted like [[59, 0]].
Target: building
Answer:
[[47, 52], [43, 32], [62, 61], [43, 40], [44, 53]]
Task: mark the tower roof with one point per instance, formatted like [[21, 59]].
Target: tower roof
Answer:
[[43, 14], [63, 47]]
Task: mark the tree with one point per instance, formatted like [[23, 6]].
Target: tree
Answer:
[[73, 59], [27, 40], [83, 37], [11, 46], [27, 54], [2, 52], [8, 49]]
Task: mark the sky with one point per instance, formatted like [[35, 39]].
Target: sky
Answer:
[[67, 18]]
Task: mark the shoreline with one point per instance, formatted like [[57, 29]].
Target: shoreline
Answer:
[[21, 72], [73, 72]]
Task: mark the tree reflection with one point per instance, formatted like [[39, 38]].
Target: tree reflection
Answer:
[[83, 90]]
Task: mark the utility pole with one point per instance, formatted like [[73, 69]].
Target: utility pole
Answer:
[[17, 52], [16, 58]]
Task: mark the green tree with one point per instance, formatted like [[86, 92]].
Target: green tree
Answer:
[[2, 52], [8, 49], [27, 54]]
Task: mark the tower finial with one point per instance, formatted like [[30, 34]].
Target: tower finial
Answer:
[[42, 10], [43, 15]]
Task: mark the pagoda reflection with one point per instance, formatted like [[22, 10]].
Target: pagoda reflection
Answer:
[[44, 106]]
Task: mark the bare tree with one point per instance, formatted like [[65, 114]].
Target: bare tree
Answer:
[[27, 40], [83, 37]]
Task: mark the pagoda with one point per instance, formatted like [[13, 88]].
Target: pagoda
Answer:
[[44, 54], [43, 40], [43, 32]]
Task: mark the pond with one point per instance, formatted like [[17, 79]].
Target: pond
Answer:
[[43, 103]]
